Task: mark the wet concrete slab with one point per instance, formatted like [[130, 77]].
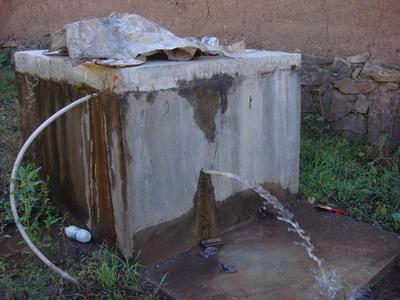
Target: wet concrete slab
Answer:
[[273, 266]]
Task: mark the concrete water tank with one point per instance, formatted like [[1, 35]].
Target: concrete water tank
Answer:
[[127, 163]]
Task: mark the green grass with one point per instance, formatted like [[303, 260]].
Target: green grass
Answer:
[[364, 178], [103, 275], [109, 276], [9, 122]]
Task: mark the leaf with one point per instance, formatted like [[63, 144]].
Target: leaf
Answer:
[[324, 201], [381, 210], [396, 216], [311, 199], [361, 154], [3, 58]]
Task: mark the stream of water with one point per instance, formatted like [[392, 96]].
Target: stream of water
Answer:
[[327, 281]]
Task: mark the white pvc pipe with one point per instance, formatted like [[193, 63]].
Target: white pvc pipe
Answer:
[[17, 163]]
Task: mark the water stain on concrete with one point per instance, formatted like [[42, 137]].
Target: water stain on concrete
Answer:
[[207, 97]]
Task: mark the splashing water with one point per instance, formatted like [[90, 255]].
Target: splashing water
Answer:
[[327, 282]]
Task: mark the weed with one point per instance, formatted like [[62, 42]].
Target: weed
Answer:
[[36, 212], [9, 133], [362, 177], [5, 58], [103, 275], [32, 195], [112, 276], [29, 281], [103, 270], [9, 127]]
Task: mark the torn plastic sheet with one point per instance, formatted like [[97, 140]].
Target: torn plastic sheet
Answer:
[[128, 39]]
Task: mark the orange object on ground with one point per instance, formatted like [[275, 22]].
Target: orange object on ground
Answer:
[[336, 210]]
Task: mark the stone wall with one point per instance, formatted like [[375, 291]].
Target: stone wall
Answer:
[[352, 95]]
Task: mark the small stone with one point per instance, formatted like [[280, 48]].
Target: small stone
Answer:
[[350, 86], [9, 44], [315, 60], [352, 124], [209, 251], [340, 66], [358, 59], [355, 73], [336, 105], [309, 100], [388, 86], [212, 242], [383, 116], [381, 74], [228, 268], [391, 85], [362, 104], [313, 76]]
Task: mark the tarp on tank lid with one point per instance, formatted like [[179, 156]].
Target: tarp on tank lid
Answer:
[[127, 39]]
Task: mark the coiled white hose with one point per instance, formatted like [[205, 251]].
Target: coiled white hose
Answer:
[[17, 164]]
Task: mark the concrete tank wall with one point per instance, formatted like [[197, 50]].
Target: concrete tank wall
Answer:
[[327, 28], [128, 163]]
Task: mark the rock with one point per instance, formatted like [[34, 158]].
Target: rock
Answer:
[[336, 105], [384, 117], [388, 86], [340, 66], [358, 59], [351, 124], [381, 74], [315, 60], [313, 75], [350, 86], [310, 99], [362, 104], [9, 44], [355, 73]]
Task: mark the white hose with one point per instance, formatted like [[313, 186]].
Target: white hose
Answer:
[[17, 163]]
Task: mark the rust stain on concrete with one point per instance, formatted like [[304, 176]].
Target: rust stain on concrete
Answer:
[[206, 219], [61, 153], [102, 209], [205, 223]]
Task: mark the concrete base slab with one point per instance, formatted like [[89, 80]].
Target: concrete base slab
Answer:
[[272, 266]]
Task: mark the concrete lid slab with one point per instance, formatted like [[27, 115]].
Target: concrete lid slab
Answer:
[[155, 74]]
